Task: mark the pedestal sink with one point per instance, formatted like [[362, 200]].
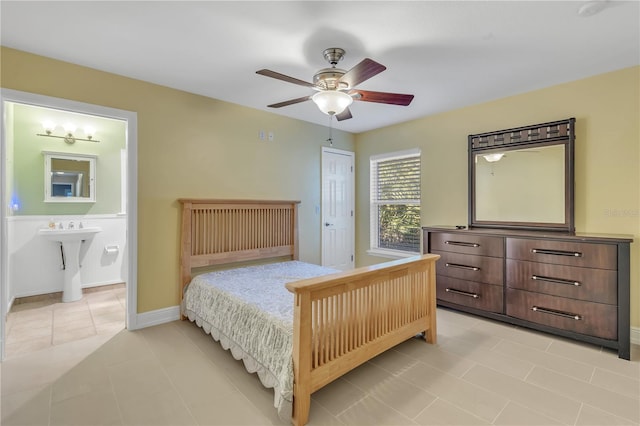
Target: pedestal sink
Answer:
[[71, 239]]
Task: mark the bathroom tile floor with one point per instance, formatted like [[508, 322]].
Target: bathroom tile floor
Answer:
[[480, 372], [33, 326]]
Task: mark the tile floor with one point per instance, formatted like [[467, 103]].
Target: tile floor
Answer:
[[480, 372], [46, 322]]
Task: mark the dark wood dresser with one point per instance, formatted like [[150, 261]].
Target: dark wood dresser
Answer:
[[572, 285]]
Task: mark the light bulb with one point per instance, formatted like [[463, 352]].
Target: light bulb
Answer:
[[48, 126], [492, 158], [70, 128], [89, 131]]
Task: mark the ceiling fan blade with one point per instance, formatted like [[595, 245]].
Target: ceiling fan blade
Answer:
[[278, 76], [344, 115], [382, 97], [290, 102], [366, 69]]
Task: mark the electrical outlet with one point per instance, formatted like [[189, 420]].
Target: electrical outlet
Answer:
[[261, 135], [271, 136]]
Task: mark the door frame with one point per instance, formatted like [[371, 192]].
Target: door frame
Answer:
[[352, 188], [131, 251]]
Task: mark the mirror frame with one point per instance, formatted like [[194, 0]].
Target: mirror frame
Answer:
[[545, 134], [49, 156]]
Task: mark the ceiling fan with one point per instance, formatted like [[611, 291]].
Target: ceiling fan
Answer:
[[336, 87]]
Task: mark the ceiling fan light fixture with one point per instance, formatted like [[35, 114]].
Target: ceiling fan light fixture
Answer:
[[332, 102], [492, 158]]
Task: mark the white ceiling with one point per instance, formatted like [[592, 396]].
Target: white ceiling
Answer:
[[449, 54]]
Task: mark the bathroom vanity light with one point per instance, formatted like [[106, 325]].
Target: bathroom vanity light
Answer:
[[69, 130]]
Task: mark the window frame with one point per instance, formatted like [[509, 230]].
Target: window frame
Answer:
[[374, 202]]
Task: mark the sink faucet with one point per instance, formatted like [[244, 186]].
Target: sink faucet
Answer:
[[70, 225]]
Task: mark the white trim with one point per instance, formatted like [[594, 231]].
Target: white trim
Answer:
[[157, 317], [70, 216], [172, 313], [635, 335], [22, 295], [131, 134], [4, 205], [391, 254], [396, 154], [123, 181]]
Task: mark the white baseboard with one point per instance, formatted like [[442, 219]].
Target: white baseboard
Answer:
[[157, 317], [172, 313], [635, 335]]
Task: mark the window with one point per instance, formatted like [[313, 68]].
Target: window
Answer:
[[395, 203]]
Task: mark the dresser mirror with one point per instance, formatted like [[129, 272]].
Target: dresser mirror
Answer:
[[523, 178]]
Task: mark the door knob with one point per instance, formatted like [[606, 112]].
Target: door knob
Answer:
[[327, 224]]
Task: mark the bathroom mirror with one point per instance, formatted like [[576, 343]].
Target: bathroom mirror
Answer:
[[523, 178], [69, 178]]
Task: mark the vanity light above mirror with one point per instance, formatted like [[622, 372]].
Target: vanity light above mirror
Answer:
[[69, 135]]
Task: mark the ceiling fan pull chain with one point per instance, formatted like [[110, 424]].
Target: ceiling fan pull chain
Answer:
[[330, 140]]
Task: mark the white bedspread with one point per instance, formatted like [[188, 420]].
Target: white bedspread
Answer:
[[250, 312]]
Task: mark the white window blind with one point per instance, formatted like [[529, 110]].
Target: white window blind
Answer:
[[395, 202]]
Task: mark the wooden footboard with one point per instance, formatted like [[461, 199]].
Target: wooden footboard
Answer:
[[343, 320]]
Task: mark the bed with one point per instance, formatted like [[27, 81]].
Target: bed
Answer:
[[307, 325]]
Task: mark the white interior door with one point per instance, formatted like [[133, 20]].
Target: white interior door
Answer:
[[338, 184]]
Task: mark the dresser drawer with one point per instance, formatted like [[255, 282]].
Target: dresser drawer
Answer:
[[469, 293], [469, 267], [467, 243], [602, 256], [594, 319], [596, 285]]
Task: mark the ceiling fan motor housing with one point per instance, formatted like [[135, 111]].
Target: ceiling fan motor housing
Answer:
[[333, 55], [327, 79]]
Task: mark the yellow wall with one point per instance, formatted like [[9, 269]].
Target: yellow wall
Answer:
[[193, 146], [607, 193], [189, 146]]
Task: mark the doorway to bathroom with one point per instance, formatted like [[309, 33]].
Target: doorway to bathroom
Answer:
[[95, 206]]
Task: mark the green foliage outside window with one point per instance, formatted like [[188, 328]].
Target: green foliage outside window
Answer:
[[399, 227]]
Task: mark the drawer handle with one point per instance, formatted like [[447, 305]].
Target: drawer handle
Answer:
[[462, 243], [461, 292], [557, 313], [456, 265], [557, 252], [555, 280]]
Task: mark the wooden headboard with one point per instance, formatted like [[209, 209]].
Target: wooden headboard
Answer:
[[217, 232]]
